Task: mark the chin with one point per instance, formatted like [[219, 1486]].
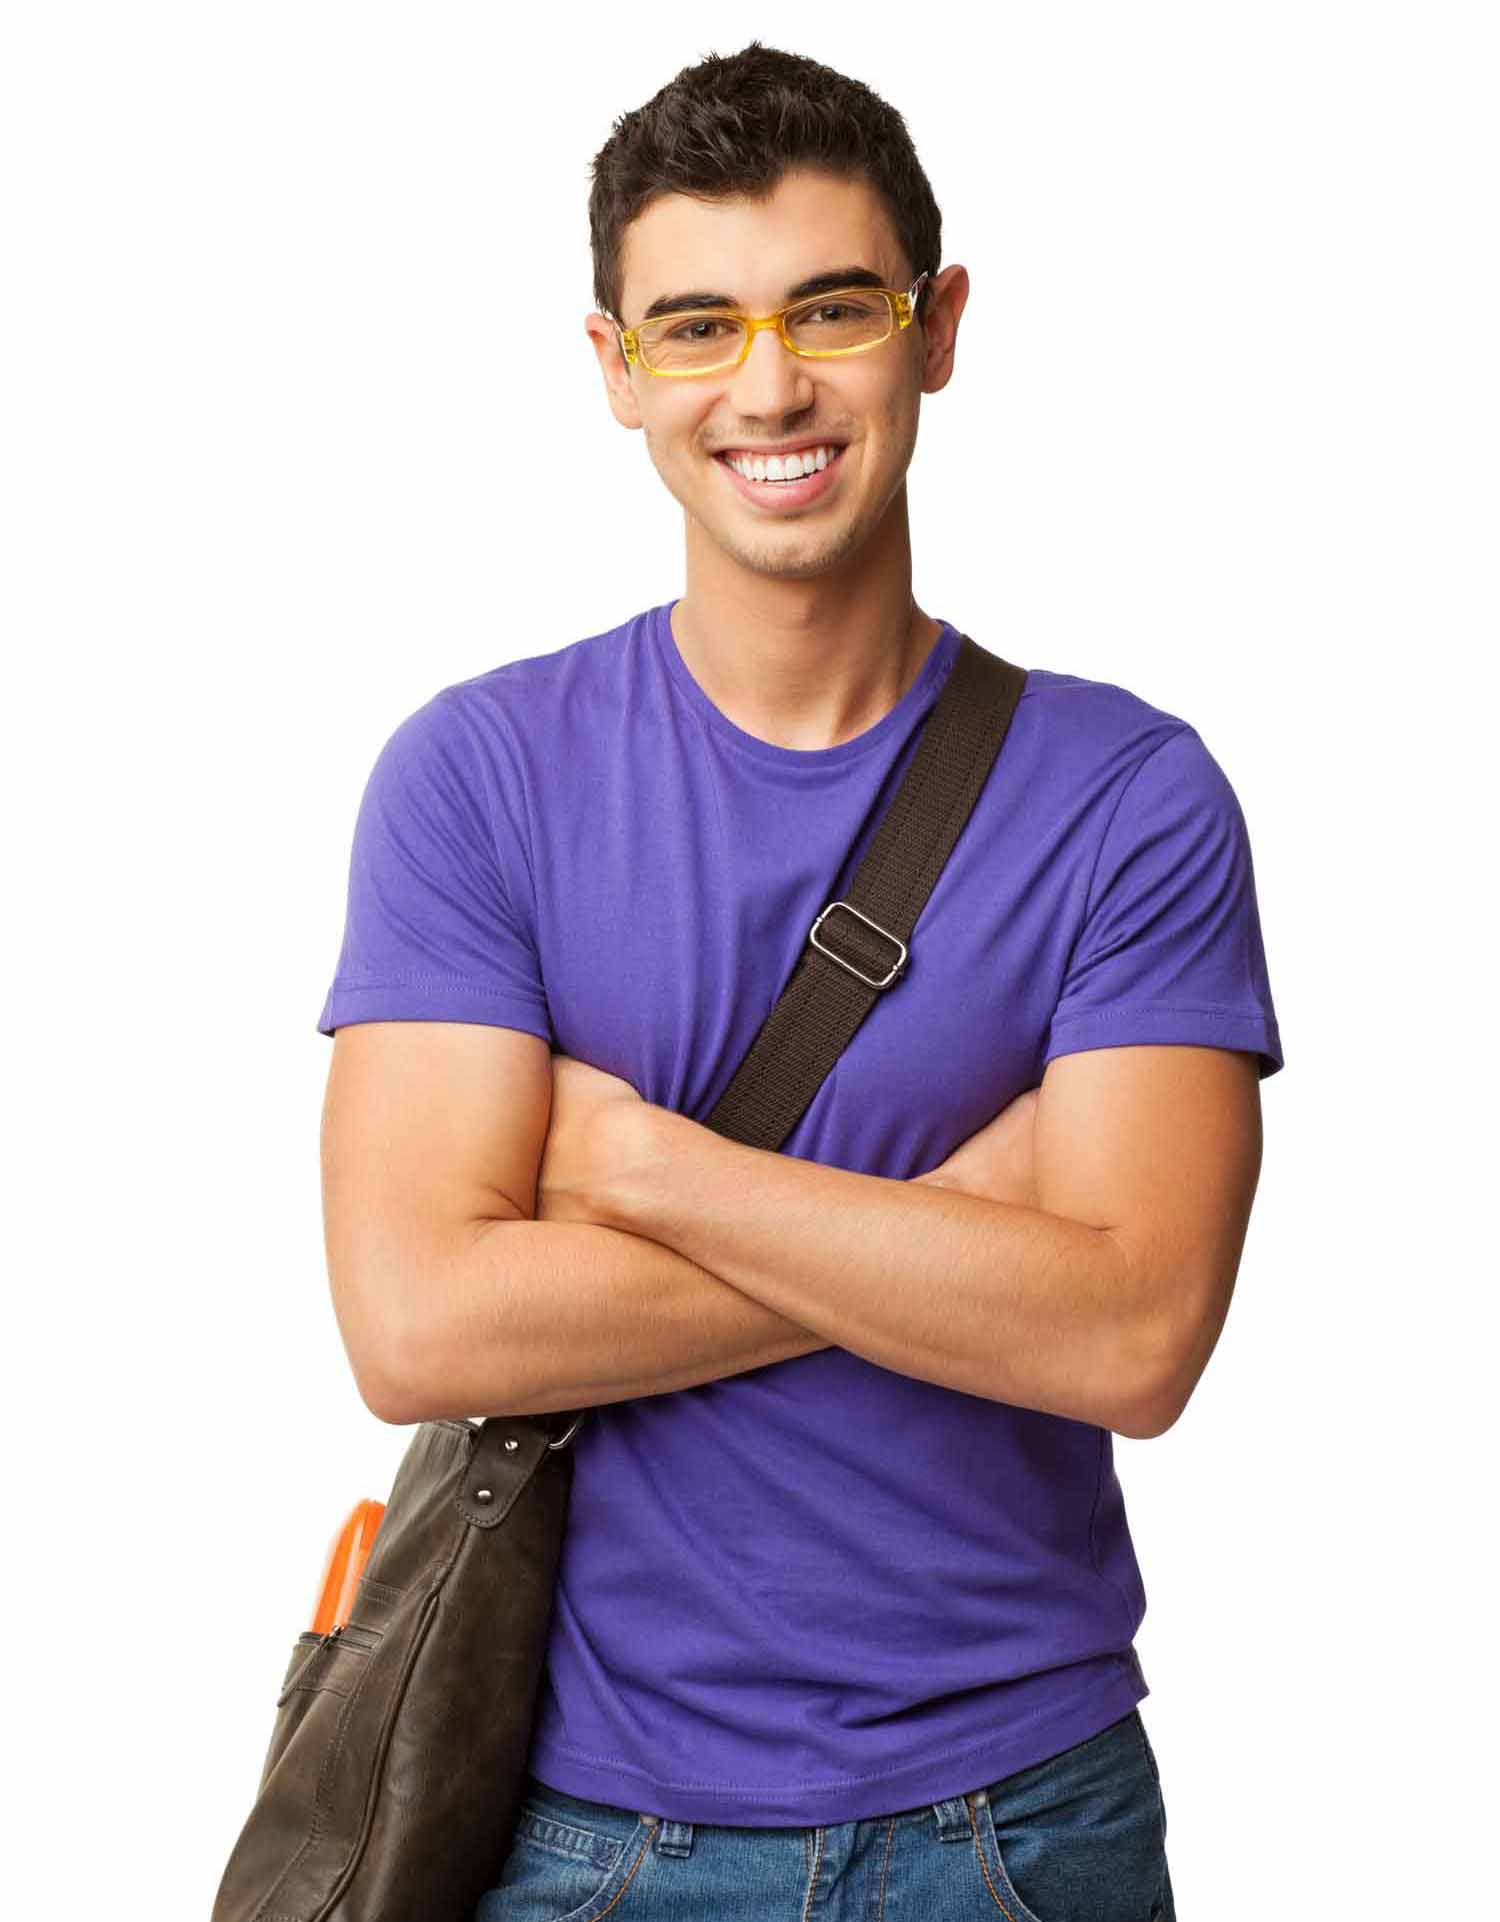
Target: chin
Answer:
[[786, 557]]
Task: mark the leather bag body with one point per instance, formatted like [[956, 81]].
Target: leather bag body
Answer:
[[397, 1760]]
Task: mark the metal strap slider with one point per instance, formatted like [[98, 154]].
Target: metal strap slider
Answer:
[[870, 981]]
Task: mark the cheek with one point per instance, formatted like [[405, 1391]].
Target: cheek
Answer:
[[670, 443], [652, 446], [884, 409], [894, 425]]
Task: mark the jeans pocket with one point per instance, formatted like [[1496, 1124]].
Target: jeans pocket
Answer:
[[1082, 1833], [569, 1861]]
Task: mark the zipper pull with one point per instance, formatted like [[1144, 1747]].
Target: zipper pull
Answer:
[[316, 1649]]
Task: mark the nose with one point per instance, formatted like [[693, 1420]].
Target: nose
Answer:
[[771, 380]]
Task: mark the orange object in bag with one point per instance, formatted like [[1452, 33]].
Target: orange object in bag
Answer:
[[346, 1563]]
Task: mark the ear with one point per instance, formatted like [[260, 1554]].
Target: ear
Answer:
[[947, 295], [618, 384]]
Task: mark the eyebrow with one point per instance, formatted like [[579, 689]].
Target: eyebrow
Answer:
[[826, 283]]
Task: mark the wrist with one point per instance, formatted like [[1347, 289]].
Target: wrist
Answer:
[[638, 1138]]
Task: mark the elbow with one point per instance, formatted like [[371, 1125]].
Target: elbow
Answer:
[[1174, 1359], [389, 1395], [1151, 1410], [399, 1414], [371, 1319], [1176, 1308], [392, 1373], [1150, 1416], [1136, 1402], [430, 1366], [410, 1380], [1138, 1397], [410, 1334]]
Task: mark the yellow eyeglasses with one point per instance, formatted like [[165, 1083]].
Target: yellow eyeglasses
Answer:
[[710, 340]]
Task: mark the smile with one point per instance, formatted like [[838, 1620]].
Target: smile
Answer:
[[783, 493]]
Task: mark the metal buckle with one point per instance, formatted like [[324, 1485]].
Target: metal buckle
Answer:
[[869, 980]]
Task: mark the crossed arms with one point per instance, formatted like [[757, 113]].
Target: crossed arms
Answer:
[[512, 1231]]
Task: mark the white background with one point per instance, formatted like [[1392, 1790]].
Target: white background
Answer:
[[300, 424]]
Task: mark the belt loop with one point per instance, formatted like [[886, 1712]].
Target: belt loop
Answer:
[[952, 1816], [673, 1838]]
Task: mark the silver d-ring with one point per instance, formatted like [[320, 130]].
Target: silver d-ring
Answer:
[[572, 1429]]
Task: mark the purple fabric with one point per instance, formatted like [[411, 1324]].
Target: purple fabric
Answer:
[[821, 1590]]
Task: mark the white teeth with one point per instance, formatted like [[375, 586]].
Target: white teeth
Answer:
[[782, 467]]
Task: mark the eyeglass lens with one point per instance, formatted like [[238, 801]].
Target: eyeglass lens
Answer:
[[697, 343]]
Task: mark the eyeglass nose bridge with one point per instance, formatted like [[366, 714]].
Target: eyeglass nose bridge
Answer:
[[775, 323], [770, 323]]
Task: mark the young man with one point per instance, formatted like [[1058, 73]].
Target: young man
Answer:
[[847, 1593]]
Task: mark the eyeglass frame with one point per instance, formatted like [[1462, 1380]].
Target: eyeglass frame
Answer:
[[902, 302]]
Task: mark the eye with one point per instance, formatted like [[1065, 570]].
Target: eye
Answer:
[[840, 310], [689, 330]]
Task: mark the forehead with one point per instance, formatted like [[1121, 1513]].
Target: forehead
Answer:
[[753, 250]]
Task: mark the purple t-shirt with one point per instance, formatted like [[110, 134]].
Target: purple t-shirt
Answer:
[[820, 1590]]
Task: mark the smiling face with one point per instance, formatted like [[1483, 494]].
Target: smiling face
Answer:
[[759, 254]]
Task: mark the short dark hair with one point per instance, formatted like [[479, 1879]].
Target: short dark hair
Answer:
[[735, 124]]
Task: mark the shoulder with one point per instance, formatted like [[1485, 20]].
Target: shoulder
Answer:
[[555, 689], [526, 715], [1096, 723], [1103, 741]]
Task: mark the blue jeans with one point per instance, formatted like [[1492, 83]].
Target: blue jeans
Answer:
[[1081, 1835]]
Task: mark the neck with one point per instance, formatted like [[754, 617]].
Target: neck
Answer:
[[805, 662]]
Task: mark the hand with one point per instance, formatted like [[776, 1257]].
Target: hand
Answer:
[[577, 1152], [996, 1162]]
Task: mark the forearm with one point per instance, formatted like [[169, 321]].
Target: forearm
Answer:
[[1004, 1302], [532, 1316]]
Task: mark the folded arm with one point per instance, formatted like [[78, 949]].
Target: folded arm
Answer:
[[479, 1259], [1102, 1303], [451, 1300]]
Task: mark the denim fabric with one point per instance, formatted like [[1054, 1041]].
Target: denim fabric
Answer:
[[1080, 1837]]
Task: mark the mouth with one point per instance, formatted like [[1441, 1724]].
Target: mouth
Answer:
[[784, 494]]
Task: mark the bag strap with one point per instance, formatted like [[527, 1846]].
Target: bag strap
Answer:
[[862, 952], [859, 947]]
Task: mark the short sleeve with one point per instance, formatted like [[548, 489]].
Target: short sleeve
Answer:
[[1170, 949], [432, 930]]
